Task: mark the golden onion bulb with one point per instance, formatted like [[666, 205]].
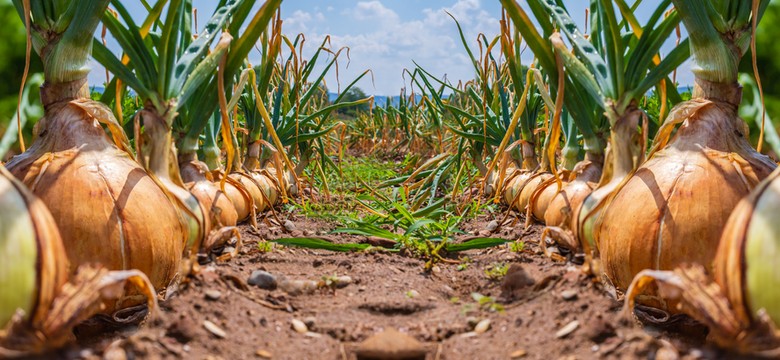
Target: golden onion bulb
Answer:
[[674, 208], [544, 194], [33, 265], [107, 208], [745, 264], [524, 198], [249, 183], [39, 306], [562, 206], [513, 186], [197, 179]]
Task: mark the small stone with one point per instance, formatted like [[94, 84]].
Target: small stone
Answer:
[[308, 233], [567, 329], [298, 287], [482, 326], [362, 288], [484, 233], [342, 281], [263, 354], [492, 226], [569, 295], [309, 321], [553, 250], [412, 294], [214, 329], [262, 279], [228, 250], [517, 354], [296, 233], [213, 295], [299, 326], [436, 269], [289, 225], [390, 344]]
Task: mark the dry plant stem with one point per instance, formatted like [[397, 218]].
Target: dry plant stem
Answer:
[[695, 294]]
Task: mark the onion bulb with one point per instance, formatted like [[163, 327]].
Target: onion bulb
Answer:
[[674, 208], [107, 208], [39, 306], [746, 261], [586, 176], [198, 180]]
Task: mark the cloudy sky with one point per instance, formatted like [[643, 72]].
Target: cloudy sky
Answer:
[[386, 36]]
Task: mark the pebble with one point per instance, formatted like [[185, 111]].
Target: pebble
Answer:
[[299, 326], [484, 233], [569, 295], [262, 279], [213, 295], [412, 294], [342, 281], [308, 233], [390, 344], [214, 329], [263, 354], [567, 329], [518, 354], [492, 226], [309, 321], [482, 326], [228, 250], [289, 225], [298, 287]]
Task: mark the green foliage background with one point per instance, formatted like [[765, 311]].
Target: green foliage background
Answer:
[[12, 49]]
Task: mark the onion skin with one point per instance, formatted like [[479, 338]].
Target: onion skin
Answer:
[[559, 211], [33, 261], [530, 187], [240, 202], [745, 265], [100, 198], [674, 208], [514, 187], [544, 195], [219, 209]]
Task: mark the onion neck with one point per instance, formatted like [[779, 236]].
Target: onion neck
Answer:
[[158, 148], [55, 92], [252, 160], [730, 92], [529, 155], [625, 147]]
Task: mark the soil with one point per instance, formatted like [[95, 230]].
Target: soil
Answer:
[[537, 299]]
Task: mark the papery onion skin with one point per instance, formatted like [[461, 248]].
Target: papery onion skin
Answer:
[[528, 189], [543, 195], [559, 211], [745, 265], [219, 208], [514, 186], [33, 265], [673, 209], [107, 208]]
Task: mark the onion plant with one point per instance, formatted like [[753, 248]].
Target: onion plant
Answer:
[[108, 224], [170, 70], [703, 171]]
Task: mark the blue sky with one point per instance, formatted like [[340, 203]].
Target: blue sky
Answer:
[[387, 35]]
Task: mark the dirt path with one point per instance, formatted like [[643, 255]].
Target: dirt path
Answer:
[[541, 309]]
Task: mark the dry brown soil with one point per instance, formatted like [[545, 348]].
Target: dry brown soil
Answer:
[[537, 299]]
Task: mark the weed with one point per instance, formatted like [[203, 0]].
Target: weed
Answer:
[[517, 246], [496, 271]]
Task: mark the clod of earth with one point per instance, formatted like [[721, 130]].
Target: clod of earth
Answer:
[[390, 344]]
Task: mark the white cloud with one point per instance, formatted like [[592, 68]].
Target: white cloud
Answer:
[[381, 40]]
